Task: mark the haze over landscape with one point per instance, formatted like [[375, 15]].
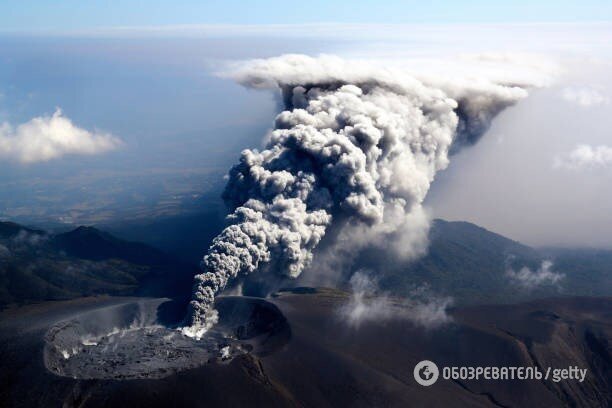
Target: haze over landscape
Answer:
[[172, 153]]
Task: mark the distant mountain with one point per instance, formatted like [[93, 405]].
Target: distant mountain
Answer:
[[185, 236], [471, 264], [11, 229], [464, 261], [37, 266], [93, 244]]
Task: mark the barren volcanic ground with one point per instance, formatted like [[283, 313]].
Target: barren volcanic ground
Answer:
[[295, 349]]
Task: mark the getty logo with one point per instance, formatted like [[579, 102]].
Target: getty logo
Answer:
[[426, 373]]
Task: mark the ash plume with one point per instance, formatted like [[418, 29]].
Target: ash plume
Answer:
[[354, 144]]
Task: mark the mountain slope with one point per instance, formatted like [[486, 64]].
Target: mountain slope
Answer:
[[37, 266], [472, 264], [11, 229], [93, 244], [464, 261], [327, 363]]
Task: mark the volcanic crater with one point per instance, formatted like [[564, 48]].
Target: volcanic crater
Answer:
[[128, 341]]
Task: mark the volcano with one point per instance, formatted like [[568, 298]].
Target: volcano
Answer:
[[293, 348]]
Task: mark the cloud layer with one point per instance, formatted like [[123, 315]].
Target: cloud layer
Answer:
[[585, 156], [46, 138], [585, 97]]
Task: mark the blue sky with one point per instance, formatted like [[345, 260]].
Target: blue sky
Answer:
[[183, 126], [77, 14]]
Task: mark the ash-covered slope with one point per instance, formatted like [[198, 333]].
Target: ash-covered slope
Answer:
[[328, 363], [372, 365], [38, 266]]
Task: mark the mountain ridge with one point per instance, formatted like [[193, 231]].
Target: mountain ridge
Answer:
[[464, 261], [36, 266]]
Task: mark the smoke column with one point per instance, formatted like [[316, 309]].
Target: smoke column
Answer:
[[353, 143]]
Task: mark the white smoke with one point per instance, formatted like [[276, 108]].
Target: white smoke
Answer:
[[207, 319], [528, 279], [404, 235], [357, 146], [363, 305], [367, 303], [50, 137], [428, 309]]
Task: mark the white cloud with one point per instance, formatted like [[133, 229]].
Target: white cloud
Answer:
[[46, 138], [583, 96], [28, 238], [528, 279], [585, 156]]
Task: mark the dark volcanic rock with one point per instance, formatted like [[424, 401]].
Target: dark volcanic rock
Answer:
[[322, 361], [127, 342]]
